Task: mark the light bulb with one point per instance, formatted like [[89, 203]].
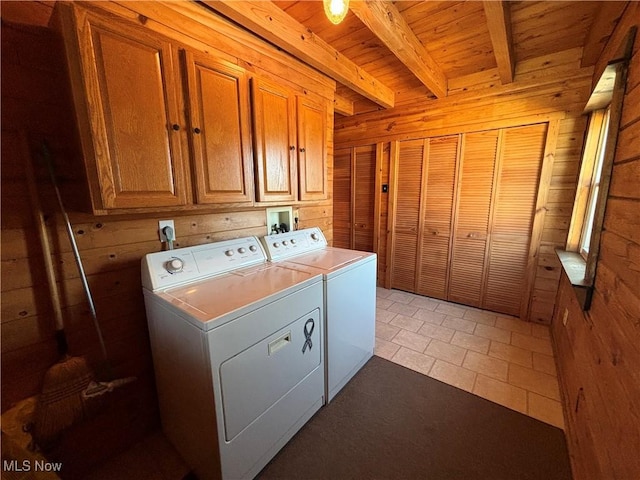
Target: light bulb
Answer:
[[336, 10]]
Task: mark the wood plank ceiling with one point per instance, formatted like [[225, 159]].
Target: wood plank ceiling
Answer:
[[387, 54]]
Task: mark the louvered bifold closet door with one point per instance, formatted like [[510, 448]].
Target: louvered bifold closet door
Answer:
[[435, 235], [364, 174], [342, 198], [516, 191], [407, 187], [474, 196]]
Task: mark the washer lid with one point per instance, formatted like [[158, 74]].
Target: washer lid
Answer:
[[329, 258], [214, 301]]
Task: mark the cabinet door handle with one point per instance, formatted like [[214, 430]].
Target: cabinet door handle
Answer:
[[196, 130], [302, 150], [175, 126], [292, 148]]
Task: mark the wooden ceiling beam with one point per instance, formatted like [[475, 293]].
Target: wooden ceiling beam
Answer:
[[343, 106], [387, 23], [499, 23], [273, 24], [605, 19]]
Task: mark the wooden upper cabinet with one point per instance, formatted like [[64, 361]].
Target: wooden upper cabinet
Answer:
[[274, 126], [127, 102], [219, 130], [312, 149]]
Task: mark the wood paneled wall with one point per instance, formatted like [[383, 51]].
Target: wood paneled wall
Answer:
[[598, 351], [37, 106], [481, 105]]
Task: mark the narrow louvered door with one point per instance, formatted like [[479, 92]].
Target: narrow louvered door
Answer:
[[474, 196], [363, 200], [342, 198], [438, 188], [407, 184], [516, 190]]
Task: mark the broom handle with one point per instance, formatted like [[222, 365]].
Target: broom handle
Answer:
[[76, 253], [36, 210]]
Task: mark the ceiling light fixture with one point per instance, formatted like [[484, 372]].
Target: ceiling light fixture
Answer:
[[336, 10]]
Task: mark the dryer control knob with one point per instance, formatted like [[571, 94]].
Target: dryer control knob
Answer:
[[285, 243], [229, 253], [314, 236], [276, 244], [293, 242], [253, 248], [242, 250], [174, 265]]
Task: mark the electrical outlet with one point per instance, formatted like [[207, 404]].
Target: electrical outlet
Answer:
[[161, 225], [565, 317]]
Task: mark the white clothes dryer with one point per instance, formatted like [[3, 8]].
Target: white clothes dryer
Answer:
[[237, 347], [349, 280]]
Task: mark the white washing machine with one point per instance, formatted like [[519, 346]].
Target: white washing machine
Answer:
[[349, 279], [238, 354]]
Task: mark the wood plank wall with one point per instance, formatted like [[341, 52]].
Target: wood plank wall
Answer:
[[480, 104], [598, 351], [36, 103]]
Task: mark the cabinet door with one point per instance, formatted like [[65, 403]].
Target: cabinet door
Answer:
[[312, 150], [438, 188], [516, 192], [364, 179], [275, 141], [342, 198], [475, 190], [407, 185], [126, 97], [219, 130]]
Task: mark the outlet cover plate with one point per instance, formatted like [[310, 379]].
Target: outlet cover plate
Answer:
[[161, 225]]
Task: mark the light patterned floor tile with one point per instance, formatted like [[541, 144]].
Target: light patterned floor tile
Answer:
[[403, 309], [386, 331], [514, 325], [456, 323], [546, 410], [436, 331], [471, 342], [444, 351], [383, 292], [408, 323], [450, 309], [511, 354], [383, 303], [414, 360], [425, 303], [453, 375], [540, 331], [386, 349], [489, 366], [534, 381], [480, 316], [411, 340], [384, 316], [401, 297], [493, 333], [535, 344], [429, 316], [500, 392], [544, 363]]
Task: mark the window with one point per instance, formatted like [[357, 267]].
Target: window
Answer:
[[592, 160]]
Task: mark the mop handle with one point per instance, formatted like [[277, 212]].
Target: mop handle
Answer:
[[74, 246]]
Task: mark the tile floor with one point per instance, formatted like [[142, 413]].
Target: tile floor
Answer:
[[494, 356]]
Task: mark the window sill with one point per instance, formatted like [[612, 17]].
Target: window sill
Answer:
[[575, 267]]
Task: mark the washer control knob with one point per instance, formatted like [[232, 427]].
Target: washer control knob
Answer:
[[276, 244], [285, 243], [229, 253], [253, 248], [314, 236], [174, 265], [293, 242], [242, 250]]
